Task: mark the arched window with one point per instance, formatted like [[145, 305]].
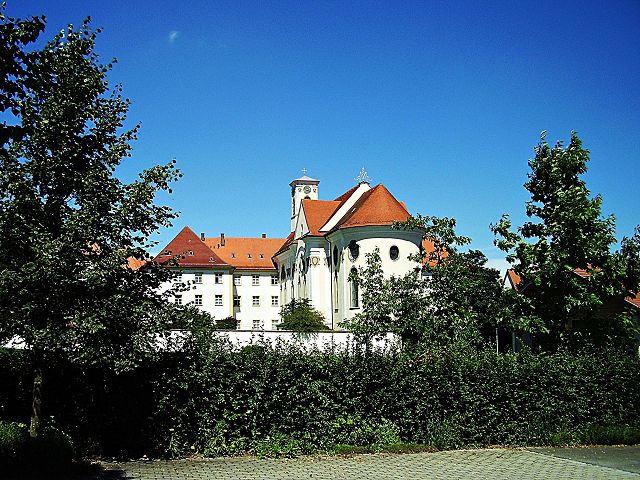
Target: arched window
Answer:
[[355, 294]]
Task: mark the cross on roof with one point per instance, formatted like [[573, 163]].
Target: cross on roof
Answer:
[[304, 171], [363, 177]]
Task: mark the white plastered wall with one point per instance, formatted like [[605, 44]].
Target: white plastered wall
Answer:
[[368, 239]]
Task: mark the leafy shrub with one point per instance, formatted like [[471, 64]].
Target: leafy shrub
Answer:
[[611, 434], [13, 444], [300, 316], [228, 323], [51, 451], [281, 401]]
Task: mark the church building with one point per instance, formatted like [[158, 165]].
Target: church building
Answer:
[[250, 278]]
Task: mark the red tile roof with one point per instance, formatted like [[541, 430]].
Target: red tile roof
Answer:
[[514, 279], [190, 252], [135, 264], [288, 241], [581, 272], [246, 253], [634, 300], [375, 207], [318, 212], [427, 248]]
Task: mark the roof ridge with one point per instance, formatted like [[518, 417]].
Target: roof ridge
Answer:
[[197, 252], [371, 195], [317, 214]]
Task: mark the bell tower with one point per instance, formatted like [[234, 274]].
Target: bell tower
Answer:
[[301, 188]]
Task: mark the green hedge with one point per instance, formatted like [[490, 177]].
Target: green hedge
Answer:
[[280, 401]]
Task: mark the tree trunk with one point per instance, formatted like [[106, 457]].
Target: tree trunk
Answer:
[[36, 404]]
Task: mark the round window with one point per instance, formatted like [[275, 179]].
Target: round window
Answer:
[[394, 252]]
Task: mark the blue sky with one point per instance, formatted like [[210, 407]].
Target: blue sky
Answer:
[[442, 102]]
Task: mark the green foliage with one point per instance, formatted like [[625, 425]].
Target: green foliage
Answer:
[[213, 400], [300, 316], [50, 452], [277, 402], [228, 323], [67, 223], [566, 232], [450, 298], [15, 35], [14, 439], [375, 318]]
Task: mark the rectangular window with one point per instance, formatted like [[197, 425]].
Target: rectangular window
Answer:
[[255, 280], [198, 277], [257, 324], [236, 280], [217, 278], [274, 279], [236, 300], [178, 299], [274, 300], [218, 301], [256, 301], [198, 300], [177, 277]]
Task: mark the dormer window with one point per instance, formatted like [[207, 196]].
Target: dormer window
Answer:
[[167, 253], [233, 254], [262, 255], [191, 253], [248, 255]]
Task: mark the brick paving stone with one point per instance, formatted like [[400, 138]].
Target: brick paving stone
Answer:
[[481, 464]]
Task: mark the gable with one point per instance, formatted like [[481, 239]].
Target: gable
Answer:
[[317, 213], [190, 251], [375, 207]]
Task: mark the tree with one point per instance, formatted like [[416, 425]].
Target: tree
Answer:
[[67, 223], [449, 298], [374, 319], [566, 232], [300, 316], [15, 61]]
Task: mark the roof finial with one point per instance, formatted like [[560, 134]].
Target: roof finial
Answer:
[[304, 171], [363, 177]]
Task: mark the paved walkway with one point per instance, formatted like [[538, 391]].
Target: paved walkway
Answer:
[[482, 464]]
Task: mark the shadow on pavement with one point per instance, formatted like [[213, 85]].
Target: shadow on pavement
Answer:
[[626, 458], [107, 474]]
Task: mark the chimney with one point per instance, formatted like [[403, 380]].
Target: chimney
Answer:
[[264, 235], [202, 236], [222, 239]]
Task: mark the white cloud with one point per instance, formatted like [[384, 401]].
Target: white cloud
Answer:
[[499, 264], [173, 35]]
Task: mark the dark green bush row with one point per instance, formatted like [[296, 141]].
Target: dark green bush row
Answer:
[[283, 402], [52, 451]]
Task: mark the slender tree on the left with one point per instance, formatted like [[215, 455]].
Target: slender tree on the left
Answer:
[[68, 224]]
